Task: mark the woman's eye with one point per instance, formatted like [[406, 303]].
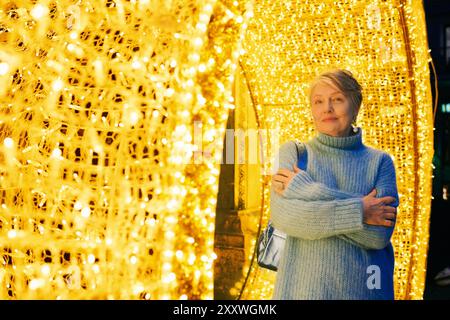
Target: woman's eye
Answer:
[[317, 101]]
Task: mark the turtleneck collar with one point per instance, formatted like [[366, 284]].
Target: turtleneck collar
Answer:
[[351, 142]]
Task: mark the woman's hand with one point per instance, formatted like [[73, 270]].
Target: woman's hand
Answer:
[[282, 178], [376, 212]]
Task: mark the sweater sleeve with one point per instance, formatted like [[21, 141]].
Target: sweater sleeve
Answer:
[[302, 186], [313, 220], [378, 237]]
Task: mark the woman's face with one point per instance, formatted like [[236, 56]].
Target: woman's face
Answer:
[[331, 110]]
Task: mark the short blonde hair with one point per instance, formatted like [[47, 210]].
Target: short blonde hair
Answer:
[[345, 81]]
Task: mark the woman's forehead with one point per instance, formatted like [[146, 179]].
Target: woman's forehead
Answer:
[[325, 86]]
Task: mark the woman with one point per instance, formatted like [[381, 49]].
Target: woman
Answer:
[[338, 214]]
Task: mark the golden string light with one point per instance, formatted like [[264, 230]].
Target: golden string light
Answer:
[[99, 197], [384, 44]]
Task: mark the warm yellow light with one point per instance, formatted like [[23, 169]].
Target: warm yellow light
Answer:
[[170, 92], [12, 234], [134, 117], [39, 11], [179, 254], [36, 284], [136, 64], [198, 41], [45, 270], [9, 143], [78, 205], [4, 68], [86, 212], [57, 85], [91, 259], [92, 120], [138, 288], [56, 153]]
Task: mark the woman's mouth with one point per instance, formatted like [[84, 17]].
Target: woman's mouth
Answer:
[[329, 119]]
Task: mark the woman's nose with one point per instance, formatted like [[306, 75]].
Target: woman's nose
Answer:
[[329, 105]]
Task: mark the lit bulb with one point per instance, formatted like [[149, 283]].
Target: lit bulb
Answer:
[[96, 268], [201, 67], [56, 153], [57, 85], [86, 212], [136, 64], [4, 68], [198, 41], [45, 270], [78, 206], [138, 288], [169, 92], [39, 11], [168, 254], [36, 284], [179, 254], [8, 142], [12, 234], [134, 118], [91, 259], [167, 266]]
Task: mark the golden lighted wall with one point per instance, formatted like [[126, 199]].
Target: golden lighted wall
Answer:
[[384, 44], [99, 103]]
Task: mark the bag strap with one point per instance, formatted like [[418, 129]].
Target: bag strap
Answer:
[[302, 156]]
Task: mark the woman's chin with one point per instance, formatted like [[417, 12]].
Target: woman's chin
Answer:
[[329, 131]]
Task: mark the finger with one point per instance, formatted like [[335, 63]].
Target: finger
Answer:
[[284, 172], [390, 216], [296, 169], [281, 173], [389, 209], [277, 183], [278, 178], [372, 193], [387, 199], [389, 223]]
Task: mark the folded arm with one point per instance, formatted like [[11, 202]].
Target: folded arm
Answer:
[[303, 187], [314, 220], [378, 237]]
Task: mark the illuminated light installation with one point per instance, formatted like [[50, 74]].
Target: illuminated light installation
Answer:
[[384, 43], [99, 198]]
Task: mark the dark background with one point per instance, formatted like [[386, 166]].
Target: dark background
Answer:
[[437, 13]]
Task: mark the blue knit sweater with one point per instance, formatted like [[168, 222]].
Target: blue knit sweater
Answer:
[[329, 252]]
